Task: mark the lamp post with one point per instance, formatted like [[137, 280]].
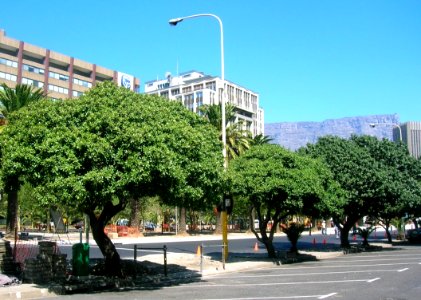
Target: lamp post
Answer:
[[389, 124], [174, 22]]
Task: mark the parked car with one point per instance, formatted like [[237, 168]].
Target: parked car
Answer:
[[149, 226], [414, 235]]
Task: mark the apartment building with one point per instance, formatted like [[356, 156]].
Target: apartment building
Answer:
[[410, 134], [195, 89], [59, 75]]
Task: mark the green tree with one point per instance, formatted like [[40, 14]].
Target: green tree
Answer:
[[11, 100], [237, 139], [370, 181], [260, 139], [278, 183], [400, 182], [98, 152]]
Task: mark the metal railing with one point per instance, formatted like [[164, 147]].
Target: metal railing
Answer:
[[164, 249]]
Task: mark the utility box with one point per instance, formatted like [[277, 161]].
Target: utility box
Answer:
[[80, 259]]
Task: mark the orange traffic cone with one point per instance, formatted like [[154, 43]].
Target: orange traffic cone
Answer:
[[256, 247], [198, 252]]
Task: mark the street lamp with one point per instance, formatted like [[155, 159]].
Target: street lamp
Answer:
[[174, 22], [372, 125]]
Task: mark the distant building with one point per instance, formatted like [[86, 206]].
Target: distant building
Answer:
[[194, 89], [60, 76], [411, 136]]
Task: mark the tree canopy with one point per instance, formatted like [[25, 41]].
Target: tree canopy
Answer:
[[371, 174], [278, 183], [111, 145]]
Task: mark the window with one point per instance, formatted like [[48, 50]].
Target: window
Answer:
[[58, 76], [164, 94], [8, 76], [186, 89], [58, 89], [35, 83], [82, 83], [8, 63], [175, 92], [77, 94], [33, 69], [198, 87], [189, 101], [211, 85]]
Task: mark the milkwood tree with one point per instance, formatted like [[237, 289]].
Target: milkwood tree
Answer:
[[98, 152], [369, 174], [277, 183], [401, 181]]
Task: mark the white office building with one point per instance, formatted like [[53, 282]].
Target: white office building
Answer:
[[410, 133], [195, 89]]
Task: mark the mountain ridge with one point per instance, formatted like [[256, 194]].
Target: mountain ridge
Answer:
[[293, 135]]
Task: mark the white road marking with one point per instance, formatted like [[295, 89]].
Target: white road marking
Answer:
[[280, 297], [327, 296], [271, 284], [403, 270], [302, 274]]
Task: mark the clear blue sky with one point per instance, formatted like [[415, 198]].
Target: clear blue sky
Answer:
[[309, 60]]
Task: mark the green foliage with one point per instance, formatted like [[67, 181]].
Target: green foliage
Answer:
[[293, 232], [260, 139], [237, 139], [365, 233], [112, 144], [14, 99], [277, 183], [379, 177]]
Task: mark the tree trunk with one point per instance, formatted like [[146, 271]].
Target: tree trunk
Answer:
[[182, 227], [218, 228], [269, 247], [12, 211], [389, 236], [135, 213], [112, 258]]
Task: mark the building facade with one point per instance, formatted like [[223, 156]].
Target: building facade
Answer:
[[60, 76], [194, 89], [410, 133]]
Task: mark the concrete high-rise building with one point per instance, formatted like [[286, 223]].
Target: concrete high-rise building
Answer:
[[411, 136], [194, 89], [60, 76]]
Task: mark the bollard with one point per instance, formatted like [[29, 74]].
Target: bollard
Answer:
[[135, 252], [201, 259], [223, 256], [165, 261]]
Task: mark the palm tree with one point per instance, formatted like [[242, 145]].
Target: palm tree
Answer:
[[12, 100], [260, 139], [237, 140]]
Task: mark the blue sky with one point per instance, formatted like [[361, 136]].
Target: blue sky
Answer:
[[309, 60]]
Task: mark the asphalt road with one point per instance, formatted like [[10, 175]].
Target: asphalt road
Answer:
[[388, 274], [212, 248]]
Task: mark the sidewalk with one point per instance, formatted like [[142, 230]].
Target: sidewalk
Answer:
[[190, 261]]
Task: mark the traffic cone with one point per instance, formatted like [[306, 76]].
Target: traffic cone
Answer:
[[256, 247], [198, 252]]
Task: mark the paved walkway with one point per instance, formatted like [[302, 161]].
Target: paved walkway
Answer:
[[190, 261]]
